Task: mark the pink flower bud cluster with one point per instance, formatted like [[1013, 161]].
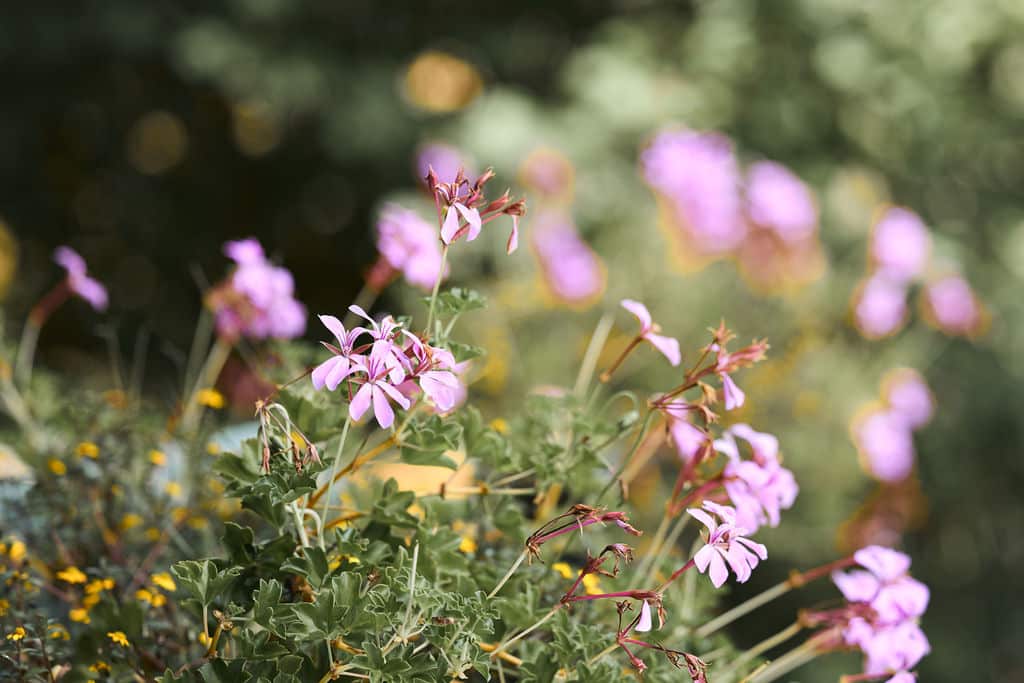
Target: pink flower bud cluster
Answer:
[[384, 363], [257, 300], [884, 605], [883, 432], [898, 257], [765, 217]]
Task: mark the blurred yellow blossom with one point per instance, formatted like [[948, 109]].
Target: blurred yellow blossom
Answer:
[[500, 425], [213, 448], [158, 458], [211, 398], [173, 489], [118, 637], [467, 545], [80, 615], [130, 521], [57, 631], [17, 551], [99, 667], [87, 449], [592, 584], [564, 569], [57, 467], [4, 606], [98, 585], [153, 534], [17, 634], [72, 575], [164, 580], [153, 597]]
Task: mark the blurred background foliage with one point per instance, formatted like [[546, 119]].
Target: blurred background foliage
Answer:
[[146, 134]]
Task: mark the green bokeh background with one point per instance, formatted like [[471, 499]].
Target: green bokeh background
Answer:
[[917, 102]]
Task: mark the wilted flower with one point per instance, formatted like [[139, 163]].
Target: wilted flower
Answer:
[[78, 281], [668, 346], [409, 244], [725, 544], [900, 243]]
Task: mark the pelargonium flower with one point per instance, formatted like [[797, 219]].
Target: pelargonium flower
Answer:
[[571, 270], [903, 677], [906, 392], [383, 372], [900, 243], [332, 371], [952, 306], [464, 209], [725, 545], [880, 306], [258, 299], [78, 281], [548, 172], [446, 160], [668, 346], [436, 369], [687, 438], [885, 442], [759, 488], [645, 623], [698, 174], [894, 648], [408, 244], [776, 199]]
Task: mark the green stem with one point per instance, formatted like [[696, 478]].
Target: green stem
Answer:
[[508, 574], [592, 354], [765, 645], [437, 287], [335, 465], [219, 353], [796, 657], [743, 608], [522, 634], [629, 456]]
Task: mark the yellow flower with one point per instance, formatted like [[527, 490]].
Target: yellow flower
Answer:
[[153, 534], [500, 425], [164, 580], [97, 585], [153, 597], [57, 467], [211, 398], [592, 584], [4, 606], [203, 639], [80, 615], [467, 545], [72, 575], [17, 634], [90, 600], [564, 569], [157, 458], [87, 449], [118, 637], [17, 551], [173, 489], [213, 448], [179, 515], [58, 631], [130, 521], [99, 667], [198, 522]]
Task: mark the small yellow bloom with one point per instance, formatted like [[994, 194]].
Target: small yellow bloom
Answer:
[[500, 425], [164, 580], [87, 449], [213, 448], [72, 575], [90, 600], [179, 515], [153, 597], [118, 637], [173, 489], [592, 584], [198, 522], [467, 545], [57, 631], [17, 634], [99, 667], [4, 606], [117, 490], [97, 585], [157, 458], [130, 521], [57, 467], [211, 398], [564, 569], [153, 534], [203, 639], [80, 615], [17, 551]]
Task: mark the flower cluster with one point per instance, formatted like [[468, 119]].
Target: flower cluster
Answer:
[[257, 300], [383, 364], [407, 245], [726, 544], [463, 209], [883, 431], [898, 257], [759, 488], [884, 605], [765, 217]]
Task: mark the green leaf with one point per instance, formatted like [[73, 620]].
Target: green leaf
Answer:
[[239, 542], [203, 581], [426, 440], [457, 300], [464, 352]]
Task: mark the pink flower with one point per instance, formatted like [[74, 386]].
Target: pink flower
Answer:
[[78, 282], [571, 270], [446, 161], [668, 346], [885, 441], [698, 174], [464, 210], [893, 595], [645, 623], [687, 438], [895, 648], [436, 371], [453, 214], [760, 488], [725, 544], [332, 371], [731, 393], [906, 393], [779, 201], [900, 243], [409, 244], [902, 677], [383, 371], [880, 306], [952, 306]]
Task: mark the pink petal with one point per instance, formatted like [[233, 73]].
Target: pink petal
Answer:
[[90, 290], [397, 396], [513, 237], [641, 313], [335, 326], [472, 218], [382, 409], [718, 574], [330, 373], [703, 558], [644, 625], [450, 226], [69, 259], [668, 346], [704, 518], [360, 402], [885, 563], [734, 396]]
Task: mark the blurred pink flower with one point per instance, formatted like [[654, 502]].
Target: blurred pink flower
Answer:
[[759, 488], [446, 160], [905, 392], [880, 306], [885, 441], [78, 281], [725, 544], [697, 173], [776, 199], [953, 306], [900, 243], [409, 244], [668, 346], [571, 270]]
